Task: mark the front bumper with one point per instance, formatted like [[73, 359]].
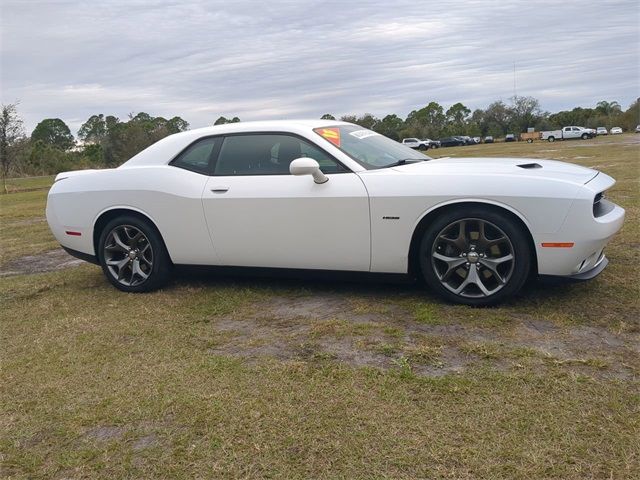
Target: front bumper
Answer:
[[587, 232], [578, 277], [589, 237]]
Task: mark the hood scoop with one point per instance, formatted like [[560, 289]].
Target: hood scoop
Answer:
[[528, 166]]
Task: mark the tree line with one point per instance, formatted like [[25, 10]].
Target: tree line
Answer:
[[107, 141]]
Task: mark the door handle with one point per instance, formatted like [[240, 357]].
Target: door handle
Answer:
[[220, 189]]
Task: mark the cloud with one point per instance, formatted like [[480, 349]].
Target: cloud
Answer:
[[258, 60]]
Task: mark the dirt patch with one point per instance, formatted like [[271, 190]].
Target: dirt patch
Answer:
[[105, 434], [49, 261], [148, 441], [336, 327]]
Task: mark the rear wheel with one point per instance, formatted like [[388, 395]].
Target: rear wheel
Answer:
[[552, 139], [475, 256], [529, 140], [133, 256]]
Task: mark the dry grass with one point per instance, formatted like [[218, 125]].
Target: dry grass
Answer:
[[220, 378]]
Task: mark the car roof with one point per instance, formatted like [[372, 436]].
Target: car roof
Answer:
[[169, 146], [265, 125]]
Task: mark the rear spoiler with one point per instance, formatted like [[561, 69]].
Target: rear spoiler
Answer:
[[73, 173]]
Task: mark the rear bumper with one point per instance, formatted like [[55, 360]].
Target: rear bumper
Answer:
[[81, 255]]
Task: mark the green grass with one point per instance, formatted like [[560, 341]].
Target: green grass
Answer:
[[100, 384], [23, 228], [29, 183]]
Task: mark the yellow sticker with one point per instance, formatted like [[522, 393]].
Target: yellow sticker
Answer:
[[331, 134]]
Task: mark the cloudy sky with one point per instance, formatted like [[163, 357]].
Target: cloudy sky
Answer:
[[284, 59]]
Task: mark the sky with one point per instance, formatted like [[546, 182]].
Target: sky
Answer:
[[300, 59]]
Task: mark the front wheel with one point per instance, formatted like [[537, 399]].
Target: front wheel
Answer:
[[475, 256], [585, 136], [132, 255], [529, 140], [422, 147]]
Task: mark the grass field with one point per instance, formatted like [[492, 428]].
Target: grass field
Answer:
[[254, 378]]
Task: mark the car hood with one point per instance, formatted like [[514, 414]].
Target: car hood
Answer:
[[530, 167]]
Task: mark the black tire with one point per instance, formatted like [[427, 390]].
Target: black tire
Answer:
[[585, 136], [552, 139], [159, 270], [518, 243], [529, 140], [423, 147]]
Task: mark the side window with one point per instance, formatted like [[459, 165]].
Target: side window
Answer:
[[268, 154], [197, 157], [327, 164]]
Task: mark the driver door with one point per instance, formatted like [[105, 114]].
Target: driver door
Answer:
[[259, 215]]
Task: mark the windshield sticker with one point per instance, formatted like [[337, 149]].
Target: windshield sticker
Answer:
[[331, 134], [363, 134]]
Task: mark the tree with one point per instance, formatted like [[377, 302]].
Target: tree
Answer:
[[390, 126], [327, 116], [524, 112], [11, 131], [608, 108], [496, 119], [631, 117], [367, 121], [349, 118], [54, 132], [223, 120], [457, 114], [93, 130], [427, 122], [177, 124]]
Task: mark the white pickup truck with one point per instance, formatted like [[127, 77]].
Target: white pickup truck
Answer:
[[416, 143], [567, 133]]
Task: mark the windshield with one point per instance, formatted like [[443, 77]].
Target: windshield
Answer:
[[368, 148]]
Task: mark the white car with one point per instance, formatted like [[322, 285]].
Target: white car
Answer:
[[602, 131], [416, 143], [616, 131], [327, 195]]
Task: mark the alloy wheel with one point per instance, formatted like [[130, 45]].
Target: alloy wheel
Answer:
[[472, 258], [128, 255]]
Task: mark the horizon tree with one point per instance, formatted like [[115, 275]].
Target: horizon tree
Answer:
[[11, 132], [54, 132]]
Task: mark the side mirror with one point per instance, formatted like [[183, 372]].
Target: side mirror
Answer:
[[307, 166]]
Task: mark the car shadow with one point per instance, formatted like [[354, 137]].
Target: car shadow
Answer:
[[283, 282]]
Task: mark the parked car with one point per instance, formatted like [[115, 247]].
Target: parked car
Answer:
[[328, 195], [510, 137], [467, 139], [416, 143], [452, 142], [616, 131], [602, 131], [488, 139], [637, 128], [477, 140], [568, 133], [432, 143]]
